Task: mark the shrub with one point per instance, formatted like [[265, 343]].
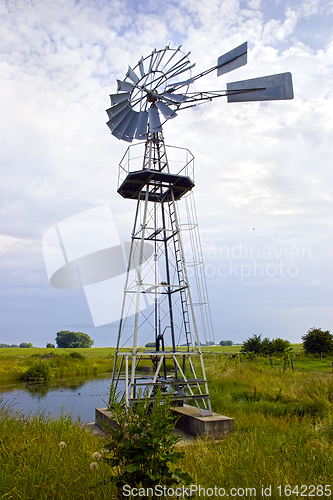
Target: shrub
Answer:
[[255, 345], [316, 341], [142, 443], [76, 355], [38, 370]]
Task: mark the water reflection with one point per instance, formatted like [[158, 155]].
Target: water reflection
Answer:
[[78, 396]]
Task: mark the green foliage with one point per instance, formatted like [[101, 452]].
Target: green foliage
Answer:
[[141, 446], [255, 345], [252, 344], [50, 346], [151, 344], [38, 370], [73, 339], [26, 345], [15, 362], [3, 346], [77, 355], [316, 341], [226, 342], [280, 346]]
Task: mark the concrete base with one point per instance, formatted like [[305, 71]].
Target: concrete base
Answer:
[[193, 423], [103, 419], [190, 421]]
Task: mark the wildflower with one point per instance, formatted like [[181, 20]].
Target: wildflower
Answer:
[[62, 444], [136, 437], [94, 466], [104, 451], [96, 456]]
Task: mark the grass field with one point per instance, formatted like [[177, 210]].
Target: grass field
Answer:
[[283, 437], [14, 362]]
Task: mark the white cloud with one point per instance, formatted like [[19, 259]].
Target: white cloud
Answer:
[[266, 166]]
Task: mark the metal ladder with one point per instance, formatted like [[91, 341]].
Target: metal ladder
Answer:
[[181, 278]]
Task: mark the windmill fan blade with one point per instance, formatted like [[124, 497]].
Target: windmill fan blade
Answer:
[[179, 84], [154, 120], [124, 86], [232, 60], [141, 67], [174, 97], [114, 110], [266, 88], [141, 131], [131, 127], [131, 75], [117, 98], [115, 120], [121, 137], [122, 125], [165, 110]]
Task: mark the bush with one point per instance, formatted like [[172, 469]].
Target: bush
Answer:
[[255, 345], [141, 446], [77, 355], [38, 370], [315, 341], [50, 346]]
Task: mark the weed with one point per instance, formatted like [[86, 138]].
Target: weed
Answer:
[[141, 443], [38, 370]]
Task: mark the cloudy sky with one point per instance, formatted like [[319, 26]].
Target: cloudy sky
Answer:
[[263, 171]]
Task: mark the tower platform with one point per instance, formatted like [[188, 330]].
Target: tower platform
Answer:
[[160, 185]]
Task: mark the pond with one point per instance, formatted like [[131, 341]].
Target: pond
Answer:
[[78, 396]]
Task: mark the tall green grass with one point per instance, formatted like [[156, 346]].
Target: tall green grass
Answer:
[[283, 436], [34, 465], [283, 429]]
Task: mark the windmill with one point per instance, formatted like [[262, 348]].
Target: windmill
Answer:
[[158, 304]]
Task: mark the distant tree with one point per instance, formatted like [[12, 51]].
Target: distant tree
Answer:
[[316, 341], [25, 344], [50, 346], [226, 342], [252, 344], [65, 339], [151, 345]]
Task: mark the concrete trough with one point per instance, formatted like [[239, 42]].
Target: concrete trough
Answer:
[[190, 421]]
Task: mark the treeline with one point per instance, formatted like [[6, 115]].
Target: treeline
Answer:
[[315, 341], [23, 344]]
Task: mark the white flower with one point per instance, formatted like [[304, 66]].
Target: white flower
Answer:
[[104, 451], [62, 444], [96, 456], [94, 466]]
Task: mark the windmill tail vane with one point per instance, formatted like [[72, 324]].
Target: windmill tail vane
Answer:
[[158, 344]]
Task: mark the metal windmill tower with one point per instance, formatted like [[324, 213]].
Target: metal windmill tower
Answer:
[[157, 304]]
